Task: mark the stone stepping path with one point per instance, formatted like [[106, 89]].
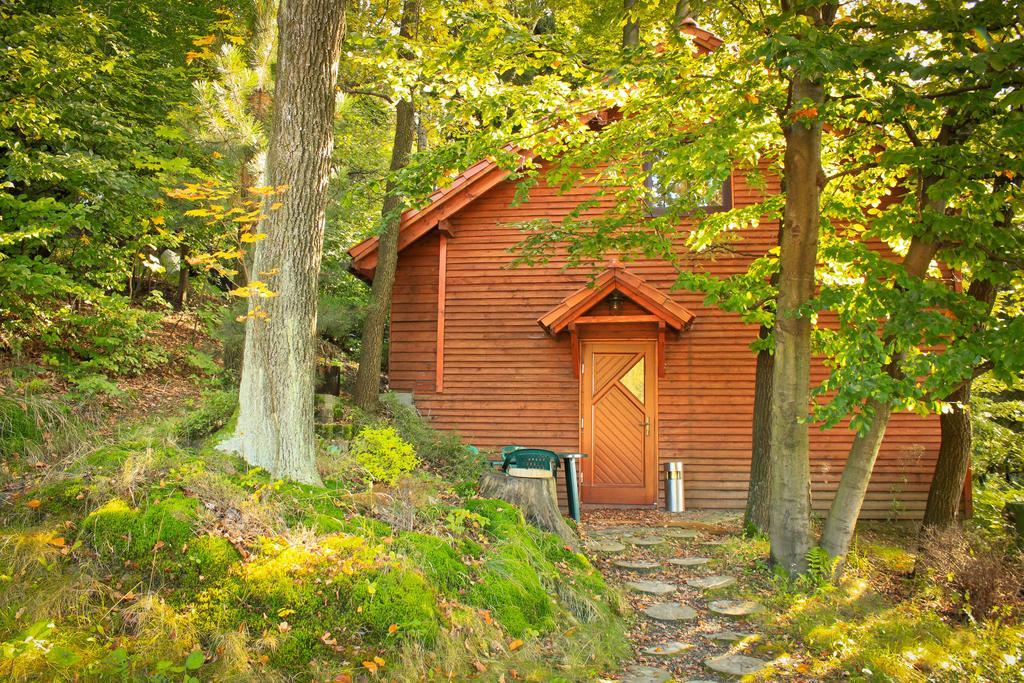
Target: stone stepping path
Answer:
[[670, 611], [651, 587], [637, 565], [734, 608], [709, 582], [643, 540], [729, 636], [735, 665], [607, 547], [680, 533], [671, 649], [681, 635], [646, 674]]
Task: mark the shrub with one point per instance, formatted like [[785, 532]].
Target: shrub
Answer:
[[442, 451], [981, 578], [384, 454]]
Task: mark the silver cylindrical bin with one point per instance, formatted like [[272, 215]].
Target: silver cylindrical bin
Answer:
[[674, 487]]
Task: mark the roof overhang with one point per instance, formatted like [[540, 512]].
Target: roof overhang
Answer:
[[661, 309]]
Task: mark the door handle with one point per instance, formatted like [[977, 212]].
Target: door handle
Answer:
[[646, 424]]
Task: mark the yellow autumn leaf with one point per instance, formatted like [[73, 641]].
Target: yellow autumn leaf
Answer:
[[203, 41], [370, 666], [241, 291], [515, 645], [33, 504], [276, 205], [253, 236], [199, 212], [57, 542], [379, 661], [392, 628], [157, 220], [237, 40]]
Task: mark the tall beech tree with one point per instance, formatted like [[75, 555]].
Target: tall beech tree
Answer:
[[275, 421], [367, 386]]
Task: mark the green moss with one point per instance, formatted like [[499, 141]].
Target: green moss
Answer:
[[213, 413], [436, 558], [118, 530], [503, 519], [401, 597], [207, 559], [510, 587], [62, 497]]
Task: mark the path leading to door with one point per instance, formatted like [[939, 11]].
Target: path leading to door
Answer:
[[692, 623]]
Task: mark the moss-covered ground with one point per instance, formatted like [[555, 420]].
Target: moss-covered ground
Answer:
[[151, 555]]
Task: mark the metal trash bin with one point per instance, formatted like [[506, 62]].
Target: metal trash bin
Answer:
[[674, 487]]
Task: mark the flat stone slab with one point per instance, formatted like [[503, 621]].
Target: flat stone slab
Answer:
[[651, 587], [670, 611], [671, 649], [729, 636], [689, 561], [646, 674], [735, 665], [606, 547], [644, 540], [734, 608], [708, 582], [680, 533], [637, 565]]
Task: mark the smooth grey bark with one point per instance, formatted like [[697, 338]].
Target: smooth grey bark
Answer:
[[367, 388], [759, 491], [954, 458], [275, 422], [790, 518]]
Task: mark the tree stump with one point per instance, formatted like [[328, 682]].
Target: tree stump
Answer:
[[536, 497]]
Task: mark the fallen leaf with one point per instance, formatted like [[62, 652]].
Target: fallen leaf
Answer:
[[57, 542], [33, 504], [479, 667], [515, 645], [379, 661], [392, 628], [158, 545], [370, 666]]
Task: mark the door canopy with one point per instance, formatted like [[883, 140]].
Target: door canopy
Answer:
[[573, 309]]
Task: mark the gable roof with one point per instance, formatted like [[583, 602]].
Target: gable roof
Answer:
[[471, 184], [616, 278]]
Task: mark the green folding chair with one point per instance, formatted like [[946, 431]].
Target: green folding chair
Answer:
[[530, 459]]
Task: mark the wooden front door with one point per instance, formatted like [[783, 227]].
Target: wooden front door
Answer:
[[618, 422]]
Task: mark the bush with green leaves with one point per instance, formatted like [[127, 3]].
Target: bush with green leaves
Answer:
[[383, 454]]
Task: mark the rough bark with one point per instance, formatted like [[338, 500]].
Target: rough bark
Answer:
[[759, 498], [954, 459], [275, 422], [537, 498], [631, 29], [790, 519], [367, 388]]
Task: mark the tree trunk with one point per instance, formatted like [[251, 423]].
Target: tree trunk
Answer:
[[537, 498], [631, 29], [367, 387], [759, 498], [181, 294], [853, 485], [275, 422], [954, 459], [790, 519]]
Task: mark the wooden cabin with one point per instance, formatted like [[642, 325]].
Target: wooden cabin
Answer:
[[621, 367]]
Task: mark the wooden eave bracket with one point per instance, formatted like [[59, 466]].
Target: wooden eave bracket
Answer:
[[571, 312]]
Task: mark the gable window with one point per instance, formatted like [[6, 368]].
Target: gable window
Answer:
[[714, 195]]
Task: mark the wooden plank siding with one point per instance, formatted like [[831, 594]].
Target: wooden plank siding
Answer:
[[507, 381]]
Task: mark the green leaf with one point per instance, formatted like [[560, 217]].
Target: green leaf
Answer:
[[194, 660], [62, 656]]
